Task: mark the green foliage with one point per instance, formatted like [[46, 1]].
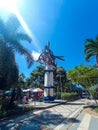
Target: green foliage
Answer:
[[1, 99], [5, 103], [60, 78], [36, 78], [22, 81], [91, 49], [10, 41], [84, 75], [11, 35], [95, 109], [58, 95], [93, 92], [15, 112], [69, 95], [8, 67]]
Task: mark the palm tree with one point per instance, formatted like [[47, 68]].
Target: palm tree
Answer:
[[11, 41], [91, 49], [11, 35], [8, 67]]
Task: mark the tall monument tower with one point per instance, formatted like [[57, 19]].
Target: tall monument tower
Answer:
[[48, 58]]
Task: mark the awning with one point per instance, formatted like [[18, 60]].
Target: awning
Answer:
[[37, 90], [76, 86]]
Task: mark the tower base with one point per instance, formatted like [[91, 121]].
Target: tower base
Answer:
[[49, 98], [48, 93]]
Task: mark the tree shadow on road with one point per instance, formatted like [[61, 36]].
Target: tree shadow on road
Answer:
[[46, 119], [73, 120], [52, 120]]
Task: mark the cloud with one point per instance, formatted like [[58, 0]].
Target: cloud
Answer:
[[35, 55]]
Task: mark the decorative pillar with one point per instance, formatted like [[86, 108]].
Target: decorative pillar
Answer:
[[48, 59], [48, 84]]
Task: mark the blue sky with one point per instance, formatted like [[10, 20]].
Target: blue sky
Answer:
[[65, 23]]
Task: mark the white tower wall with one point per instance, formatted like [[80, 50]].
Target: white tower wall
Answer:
[[48, 83]]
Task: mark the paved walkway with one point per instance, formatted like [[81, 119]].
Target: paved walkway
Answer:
[[53, 116], [85, 121]]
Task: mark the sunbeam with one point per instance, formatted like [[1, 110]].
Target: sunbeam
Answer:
[[28, 31], [11, 6]]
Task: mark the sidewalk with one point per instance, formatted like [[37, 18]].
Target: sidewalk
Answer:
[[47, 116], [87, 120], [73, 117]]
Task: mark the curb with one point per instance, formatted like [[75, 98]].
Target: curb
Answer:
[[50, 104], [76, 113], [64, 125]]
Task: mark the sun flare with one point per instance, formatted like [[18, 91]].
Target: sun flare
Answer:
[[35, 55], [9, 5]]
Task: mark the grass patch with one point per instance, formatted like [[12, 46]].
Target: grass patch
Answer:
[[95, 109]]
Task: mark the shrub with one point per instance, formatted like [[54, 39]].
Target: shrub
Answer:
[[69, 95], [58, 95], [16, 111], [5, 103], [1, 98]]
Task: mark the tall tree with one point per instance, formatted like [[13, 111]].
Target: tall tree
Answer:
[[12, 37], [91, 49], [21, 81], [86, 76], [37, 77], [8, 67], [60, 78]]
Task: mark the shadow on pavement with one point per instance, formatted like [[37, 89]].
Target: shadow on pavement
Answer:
[[73, 120], [46, 120]]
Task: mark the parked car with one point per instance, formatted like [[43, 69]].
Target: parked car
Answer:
[[86, 95]]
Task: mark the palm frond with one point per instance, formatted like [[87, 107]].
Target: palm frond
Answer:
[[2, 28], [97, 39], [23, 51], [90, 46], [13, 24], [87, 41], [88, 55], [23, 37], [11, 35], [91, 51]]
